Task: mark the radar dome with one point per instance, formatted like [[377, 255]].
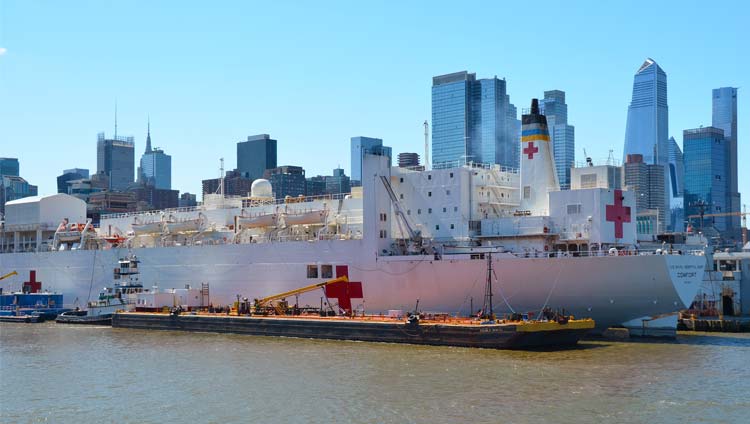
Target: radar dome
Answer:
[[261, 188]]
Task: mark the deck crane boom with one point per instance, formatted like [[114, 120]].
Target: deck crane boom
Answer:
[[10, 274], [260, 303]]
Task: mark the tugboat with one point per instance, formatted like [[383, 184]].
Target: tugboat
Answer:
[[31, 304], [122, 296]]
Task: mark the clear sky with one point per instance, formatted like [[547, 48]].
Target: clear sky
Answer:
[[314, 74]]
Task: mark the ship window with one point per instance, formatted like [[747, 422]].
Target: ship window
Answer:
[[326, 271], [452, 226], [312, 271], [429, 210], [574, 209], [429, 177], [401, 179], [437, 227], [429, 194], [451, 175], [455, 209], [526, 192], [419, 211], [448, 192], [401, 195], [445, 210]]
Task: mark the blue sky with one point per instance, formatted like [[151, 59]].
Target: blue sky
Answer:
[[315, 74]]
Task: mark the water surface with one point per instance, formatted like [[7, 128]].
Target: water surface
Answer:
[[65, 374]]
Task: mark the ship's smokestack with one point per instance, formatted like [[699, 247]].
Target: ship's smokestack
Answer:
[[535, 106], [538, 176]]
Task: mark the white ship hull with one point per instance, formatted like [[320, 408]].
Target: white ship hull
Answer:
[[610, 289]]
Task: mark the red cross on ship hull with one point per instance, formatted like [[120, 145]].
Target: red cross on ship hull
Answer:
[[32, 286], [618, 214], [344, 292]]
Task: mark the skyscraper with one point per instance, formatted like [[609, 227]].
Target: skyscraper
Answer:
[[12, 185], [156, 166], [676, 168], [361, 145], [256, 155], [473, 120], [70, 175], [9, 167], [647, 129], [724, 116], [706, 173], [115, 158], [286, 181], [647, 182], [553, 106]]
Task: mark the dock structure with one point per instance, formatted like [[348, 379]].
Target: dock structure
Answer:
[[496, 335]]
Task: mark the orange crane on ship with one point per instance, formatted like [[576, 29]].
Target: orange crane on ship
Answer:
[[260, 304], [742, 214], [8, 275]]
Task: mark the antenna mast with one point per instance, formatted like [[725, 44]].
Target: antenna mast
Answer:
[[426, 146], [487, 312], [221, 179]]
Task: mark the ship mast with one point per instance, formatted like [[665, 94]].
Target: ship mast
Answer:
[[487, 312]]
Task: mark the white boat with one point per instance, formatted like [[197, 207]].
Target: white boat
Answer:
[[408, 235]]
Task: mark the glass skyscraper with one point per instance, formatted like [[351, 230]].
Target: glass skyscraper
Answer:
[[156, 166], [724, 116], [473, 120], [361, 145], [705, 155], [115, 158], [256, 155], [553, 106], [647, 129]]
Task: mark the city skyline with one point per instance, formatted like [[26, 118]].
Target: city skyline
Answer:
[[201, 125]]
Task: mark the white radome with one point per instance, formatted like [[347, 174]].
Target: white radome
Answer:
[[261, 188]]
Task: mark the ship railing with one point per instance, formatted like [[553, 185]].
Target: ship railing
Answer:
[[603, 253]]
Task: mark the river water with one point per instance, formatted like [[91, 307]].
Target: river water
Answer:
[[66, 374]]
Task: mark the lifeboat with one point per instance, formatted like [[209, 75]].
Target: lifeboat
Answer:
[[306, 218], [260, 221], [147, 227]]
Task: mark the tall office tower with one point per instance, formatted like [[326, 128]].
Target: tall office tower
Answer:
[[361, 145], [9, 167], [408, 160], [70, 175], [676, 168], [647, 129], [706, 173], [187, 200], [647, 182], [234, 185], [677, 186], [115, 158], [553, 106], [724, 116], [156, 166], [338, 183], [256, 155], [286, 181], [473, 120]]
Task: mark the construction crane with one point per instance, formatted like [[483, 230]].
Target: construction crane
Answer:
[[259, 304], [10, 274]]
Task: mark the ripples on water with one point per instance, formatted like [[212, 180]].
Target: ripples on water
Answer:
[[52, 373]]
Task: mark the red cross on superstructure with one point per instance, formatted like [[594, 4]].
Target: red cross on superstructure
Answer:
[[32, 286], [618, 213], [530, 150], [344, 292]]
